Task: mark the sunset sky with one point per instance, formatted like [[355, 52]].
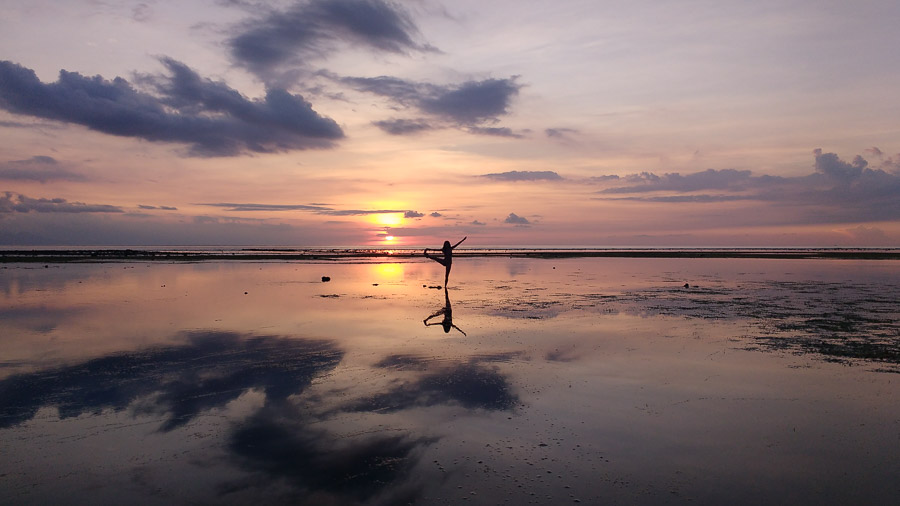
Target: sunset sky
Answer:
[[379, 123]]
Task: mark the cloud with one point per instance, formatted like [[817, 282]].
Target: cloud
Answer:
[[832, 166], [514, 219], [37, 168], [413, 214], [495, 131], [472, 102], [403, 126], [162, 208], [471, 385], [560, 134], [710, 179], [224, 365], [838, 191], [314, 29], [478, 223], [210, 117], [12, 203], [468, 104], [317, 209], [435, 214], [284, 444], [689, 198], [524, 175]]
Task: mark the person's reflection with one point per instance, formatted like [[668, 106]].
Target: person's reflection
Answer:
[[447, 313]]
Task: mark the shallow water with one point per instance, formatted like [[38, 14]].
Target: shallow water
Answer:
[[558, 380]]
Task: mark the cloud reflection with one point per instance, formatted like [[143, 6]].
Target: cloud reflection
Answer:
[[468, 384], [212, 369], [280, 442]]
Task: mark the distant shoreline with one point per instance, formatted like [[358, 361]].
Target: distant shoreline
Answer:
[[338, 254]]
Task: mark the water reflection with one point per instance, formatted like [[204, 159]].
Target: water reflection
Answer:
[[604, 381], [281, 441], [180, 382], [471, 385], [446, 314]]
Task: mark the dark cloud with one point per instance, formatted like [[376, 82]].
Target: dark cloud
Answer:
[[317, 209], [208, 116], [413, 214], [468, 104], [435, 214], [37, 168], [17, 203], [478, 223], [403, 126], [313, 29], [524, 175], [222, 367], [838, 170], [838, 191], [474, 101], [515, 219], [710, 179]]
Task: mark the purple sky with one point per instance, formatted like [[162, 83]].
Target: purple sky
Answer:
[[370, 122]]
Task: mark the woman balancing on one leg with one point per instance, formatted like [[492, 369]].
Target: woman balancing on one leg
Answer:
[[447, 259]]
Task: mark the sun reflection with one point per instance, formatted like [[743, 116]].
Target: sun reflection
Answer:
[[388, 272]]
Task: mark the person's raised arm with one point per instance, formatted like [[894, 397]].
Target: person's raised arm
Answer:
[[460, 242]]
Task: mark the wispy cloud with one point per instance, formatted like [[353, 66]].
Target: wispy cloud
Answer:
[[404, 126], [210, 117], [495, 131], [37, 168], [161, 208], [524, 175], [316, 209], [17, 203]]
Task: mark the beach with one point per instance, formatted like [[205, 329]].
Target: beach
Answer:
[[531, 379]]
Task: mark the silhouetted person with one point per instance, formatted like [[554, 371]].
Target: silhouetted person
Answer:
[[447, 259], [447, 313]]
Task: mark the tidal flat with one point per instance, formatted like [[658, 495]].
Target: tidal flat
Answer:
[[527, 381]]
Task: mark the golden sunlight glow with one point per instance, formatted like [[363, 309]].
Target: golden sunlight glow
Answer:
[[387, 219], [388, 238]]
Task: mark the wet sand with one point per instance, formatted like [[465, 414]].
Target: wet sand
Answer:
[[591, 380]]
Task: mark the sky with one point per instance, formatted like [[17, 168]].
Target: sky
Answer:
[[644, 123]]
